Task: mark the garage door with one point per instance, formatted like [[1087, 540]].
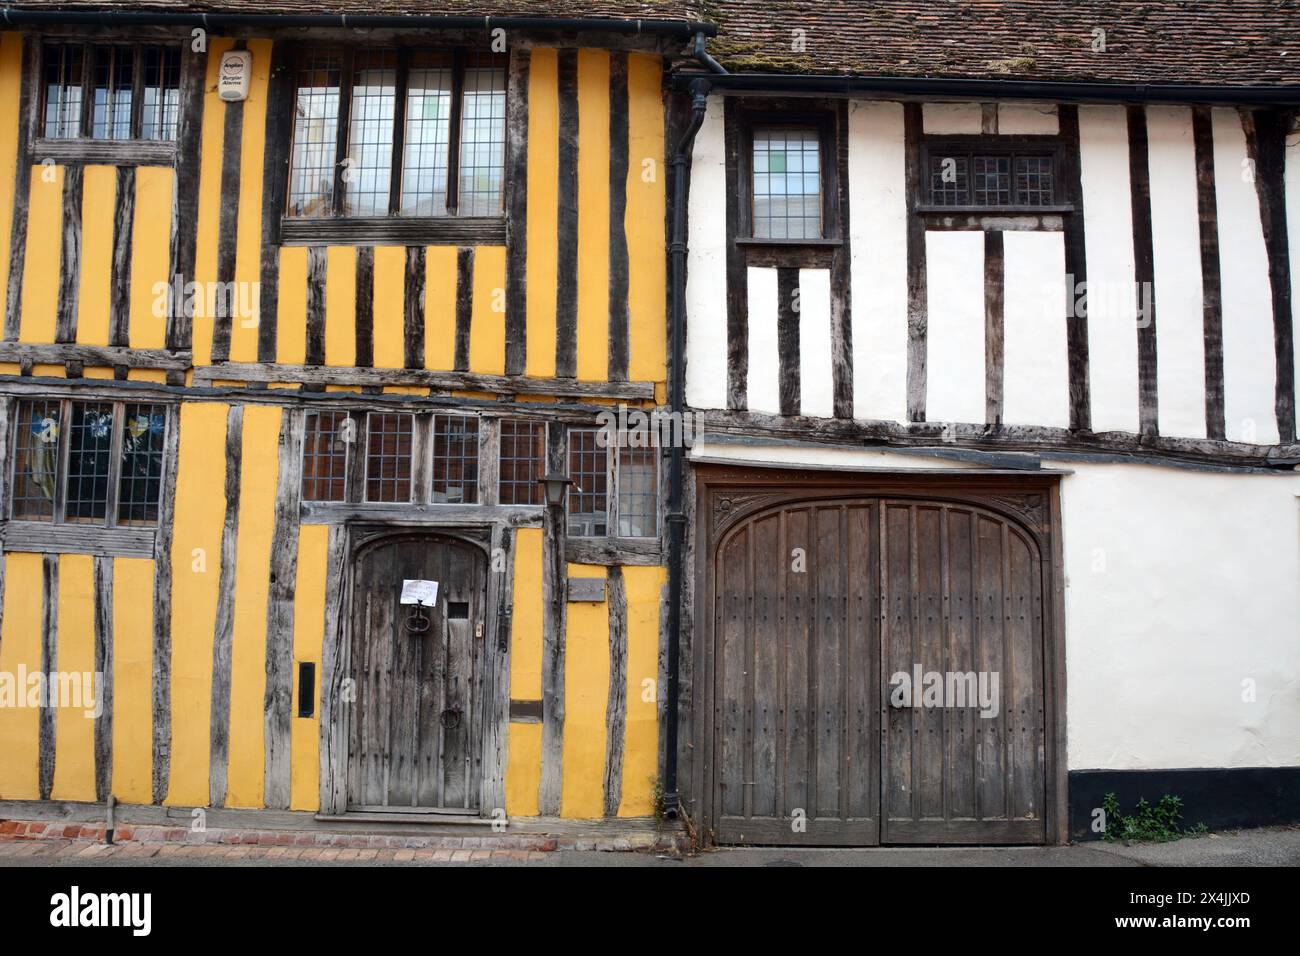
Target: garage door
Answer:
[[877, 674]]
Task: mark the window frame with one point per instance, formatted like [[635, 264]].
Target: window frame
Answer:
[[822, 121], [391, 226], [112, 520], [83, 148], [613, 480], [969, 146]]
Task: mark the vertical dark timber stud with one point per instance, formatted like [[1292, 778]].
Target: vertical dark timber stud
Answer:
[[737, 274], [23, 185], [1144, 269], [566, 290], [554, 622], [517, 213], [162, 611], [618, 254], [185, 199], [841, 284], [1211, 284], [917, 304], [1076, 272], [275, 184], [228, 234], [994, 326], [1266, 133]]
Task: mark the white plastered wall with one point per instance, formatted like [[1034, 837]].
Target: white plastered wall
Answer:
[[1181, 585]]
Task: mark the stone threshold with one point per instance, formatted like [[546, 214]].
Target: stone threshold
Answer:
[[46, 820]]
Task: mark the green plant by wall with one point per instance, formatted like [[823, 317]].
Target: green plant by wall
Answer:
[[1157, 824]]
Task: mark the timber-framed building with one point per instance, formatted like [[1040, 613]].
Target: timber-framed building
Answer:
[[337, 342]]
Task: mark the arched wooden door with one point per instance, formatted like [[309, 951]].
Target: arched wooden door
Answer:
[[819, 607], [416, 727]]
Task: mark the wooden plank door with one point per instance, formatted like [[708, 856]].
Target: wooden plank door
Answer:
[[795, 677], [962, 594], [415, 733]]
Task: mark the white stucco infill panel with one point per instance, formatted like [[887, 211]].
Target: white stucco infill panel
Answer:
[[1035, 362], [1178, 293], [706, 274], [878, 267], [951, 118], [955, 328], [816, 380], [1111, 293], [1249, 362], [763, 390]]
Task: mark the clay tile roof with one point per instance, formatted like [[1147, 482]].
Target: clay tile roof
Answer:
[[1148, 41], [1233, 42], [618, 9]]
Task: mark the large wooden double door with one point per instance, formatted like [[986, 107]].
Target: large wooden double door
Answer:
[[818, 605], [415, 735]]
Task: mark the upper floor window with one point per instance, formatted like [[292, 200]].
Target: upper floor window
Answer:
[[787, 194], [398, 133], [976, 178], [111, 91], [96, 463]]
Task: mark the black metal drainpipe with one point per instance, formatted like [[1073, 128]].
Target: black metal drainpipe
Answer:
[[675, 517]]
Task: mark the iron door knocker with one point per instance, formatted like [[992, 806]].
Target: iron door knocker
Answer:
[[417, 622]]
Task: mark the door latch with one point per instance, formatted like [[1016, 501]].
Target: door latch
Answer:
[[478, 630]]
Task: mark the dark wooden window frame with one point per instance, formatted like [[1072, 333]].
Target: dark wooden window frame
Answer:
[[394, 227], [992, 144], [83, 149], [58, 520], [792, 115]]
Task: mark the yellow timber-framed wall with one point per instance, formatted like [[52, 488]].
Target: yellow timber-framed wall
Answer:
[[493, 317]]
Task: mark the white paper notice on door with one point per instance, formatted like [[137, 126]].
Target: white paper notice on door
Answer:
[[420, 592]]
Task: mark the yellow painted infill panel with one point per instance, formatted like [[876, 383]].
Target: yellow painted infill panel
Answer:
[[205, 258], [252, 566], [43, 257], [644, 587], [73, 689], [248, 250], [341, 306], [593, 215], [133, 679], [543, 205], [308, 634], [526, 619], [11, 75], [20, 657], [523, 770], [586, 696], [390, 299], [151, 256], [440, 307], [487, 324], [196, 576], [98, 207], [291, 326], [646, 204]]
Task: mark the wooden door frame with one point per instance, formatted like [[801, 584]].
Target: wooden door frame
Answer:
[[347, 541], [727, 494]]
